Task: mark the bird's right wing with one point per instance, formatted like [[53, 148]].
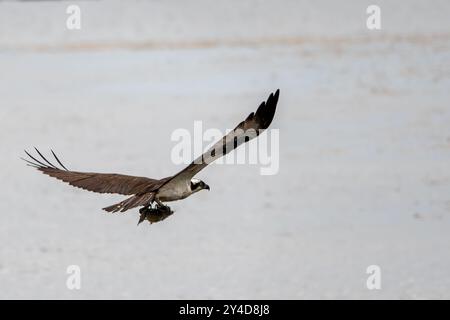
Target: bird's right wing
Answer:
[[95, 182], [250, 128]]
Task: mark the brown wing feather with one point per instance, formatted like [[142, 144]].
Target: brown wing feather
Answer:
[[135, 201], [251, 127], [96, 182]]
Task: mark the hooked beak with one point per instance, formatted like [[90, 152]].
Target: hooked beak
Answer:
[[207, 187]]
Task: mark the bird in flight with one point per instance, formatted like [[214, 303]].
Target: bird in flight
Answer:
[[150, 194]]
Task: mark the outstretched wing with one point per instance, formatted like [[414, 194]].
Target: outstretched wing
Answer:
[[250, 128], [96, 182]]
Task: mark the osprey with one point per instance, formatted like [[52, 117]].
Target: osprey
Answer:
[[151, 193]]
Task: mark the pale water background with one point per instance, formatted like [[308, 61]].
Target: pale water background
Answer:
[[364, 153]]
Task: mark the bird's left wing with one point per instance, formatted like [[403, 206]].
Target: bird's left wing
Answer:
[[250, 128], [96, 182]]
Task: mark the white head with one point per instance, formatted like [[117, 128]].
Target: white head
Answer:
[[197, 185]]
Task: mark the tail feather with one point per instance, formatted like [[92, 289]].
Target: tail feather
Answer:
[[132, 202]]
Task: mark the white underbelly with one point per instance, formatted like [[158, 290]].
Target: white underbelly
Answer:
[[171, 193]]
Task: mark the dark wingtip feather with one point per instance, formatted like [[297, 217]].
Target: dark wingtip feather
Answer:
[[250, 116], [266, 110], [30, 164], [41, 165], [48, 162], [57, 159], [38, 163]]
